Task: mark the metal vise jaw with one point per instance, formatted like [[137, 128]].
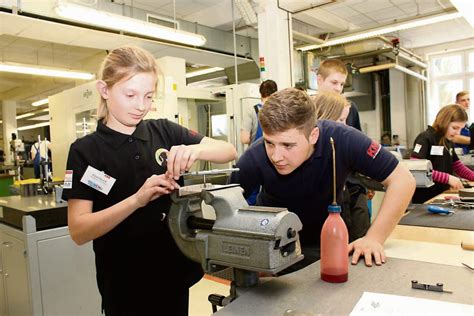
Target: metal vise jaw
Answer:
[[259, 239]]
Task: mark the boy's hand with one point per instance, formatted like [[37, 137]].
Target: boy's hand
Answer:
[[368, 248]]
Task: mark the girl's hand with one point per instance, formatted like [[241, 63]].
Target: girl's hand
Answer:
[[180, 159], [154, 187], [455, 183]]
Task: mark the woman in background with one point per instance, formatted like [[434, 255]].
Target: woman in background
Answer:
[[436, 145]]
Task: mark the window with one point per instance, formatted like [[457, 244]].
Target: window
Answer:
[[447, 65], [450, 73]]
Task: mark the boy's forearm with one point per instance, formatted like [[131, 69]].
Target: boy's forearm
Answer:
[[400, 186]]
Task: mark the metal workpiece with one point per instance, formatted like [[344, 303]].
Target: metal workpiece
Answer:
[[252, 239], [438, 287], [209, 172]]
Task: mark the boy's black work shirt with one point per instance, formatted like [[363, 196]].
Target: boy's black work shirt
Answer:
[[427, 146], [307, 191], [139, 253]]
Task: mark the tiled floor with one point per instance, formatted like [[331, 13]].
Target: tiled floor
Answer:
[[198, 303]]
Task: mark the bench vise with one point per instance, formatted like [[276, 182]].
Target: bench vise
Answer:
[[249, 239]]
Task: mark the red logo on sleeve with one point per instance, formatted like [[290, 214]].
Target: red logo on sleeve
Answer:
[[193, 133], [373, 149]]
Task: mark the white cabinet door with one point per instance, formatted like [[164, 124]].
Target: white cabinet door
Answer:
[[67, 277], [15, 275]]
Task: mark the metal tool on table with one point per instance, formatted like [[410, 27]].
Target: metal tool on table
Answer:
[[438, 287], [453, 202], [249, 239]]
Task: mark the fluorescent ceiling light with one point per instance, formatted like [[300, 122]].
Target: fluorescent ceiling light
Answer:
[[40, 102], [203, 72], [32, 113], [466, 8], [22, 116], [40, 118], [23, 128], [394, 66], [44, 71], [117, 22], [384, 30]]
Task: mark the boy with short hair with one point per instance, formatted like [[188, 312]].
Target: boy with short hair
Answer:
[[293, 164]]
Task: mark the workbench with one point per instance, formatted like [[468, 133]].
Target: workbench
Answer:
[[305, 292], [426, 254]]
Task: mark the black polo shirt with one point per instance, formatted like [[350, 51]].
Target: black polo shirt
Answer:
[[140, 252], [423, 149], [307, 191]]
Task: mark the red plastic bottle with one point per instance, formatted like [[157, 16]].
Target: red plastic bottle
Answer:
[[334, 244]]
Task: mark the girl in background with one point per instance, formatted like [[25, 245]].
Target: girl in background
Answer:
[[436, 145]]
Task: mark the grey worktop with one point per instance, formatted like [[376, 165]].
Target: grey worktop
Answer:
[[418, 215], [304, 291], [42, 208], [29, 204]]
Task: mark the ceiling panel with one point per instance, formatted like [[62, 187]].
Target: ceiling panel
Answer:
[[371, 6], [387, 15], [344, 12], [361, 19], [409, 8]]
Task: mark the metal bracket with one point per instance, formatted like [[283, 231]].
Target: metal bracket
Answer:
[[429, 287]]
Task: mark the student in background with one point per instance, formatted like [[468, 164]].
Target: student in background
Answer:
[[331, 106], [251, 130], [121, 202], [436, 145], [38, 153], [464, 140], [331, 76], [386, 140], [293, 164]]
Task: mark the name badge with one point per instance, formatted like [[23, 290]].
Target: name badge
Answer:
[[68, 179], [436, 150], [98, 180], [417, 148]]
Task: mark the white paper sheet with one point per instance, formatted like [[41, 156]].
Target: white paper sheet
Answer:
[[385, 304]]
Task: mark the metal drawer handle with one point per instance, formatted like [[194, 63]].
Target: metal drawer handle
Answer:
[[7, 244]]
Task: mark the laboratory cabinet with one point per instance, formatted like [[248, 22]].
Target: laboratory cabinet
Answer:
[[42, 271]]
